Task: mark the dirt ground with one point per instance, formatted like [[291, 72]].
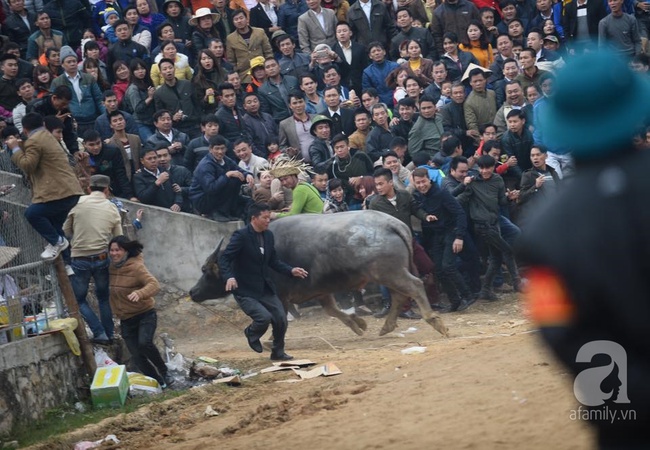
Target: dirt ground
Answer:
[[491, 385]]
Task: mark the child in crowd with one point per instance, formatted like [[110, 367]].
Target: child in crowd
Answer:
[[273, 147], [110, 17], [334, 201], [445, 94]]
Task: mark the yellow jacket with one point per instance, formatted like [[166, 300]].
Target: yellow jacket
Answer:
[[182, 66]]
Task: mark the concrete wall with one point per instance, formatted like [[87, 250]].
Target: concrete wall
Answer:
[[175, 244], [37, 374]]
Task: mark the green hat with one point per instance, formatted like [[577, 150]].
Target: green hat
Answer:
[[596, 106], [316, 120]]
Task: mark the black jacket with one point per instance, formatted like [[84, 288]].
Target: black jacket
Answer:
[[443, 205], [423, 36], [44, 107], [230, 128], [597, 262], [377, 142], [245, 262], [17, 31], [351, 74], [453, 121], [319, 153], [519, 146], [259, 19], [381, 27], [405, 208], [144, 185], [595, 12], [69, 16], [109, 162], [124, 51], [344, 123], [529, 191]]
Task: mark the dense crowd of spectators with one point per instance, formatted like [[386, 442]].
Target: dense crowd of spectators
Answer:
[[184, 103]]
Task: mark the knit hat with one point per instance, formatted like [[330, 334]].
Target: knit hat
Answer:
[[110, 12], [283, 166], [596, 106], [316, 120], [66, 51]]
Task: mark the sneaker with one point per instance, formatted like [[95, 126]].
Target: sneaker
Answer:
[[52, 251], [362, 310], [69, 271]]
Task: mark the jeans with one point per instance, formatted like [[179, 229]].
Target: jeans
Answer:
[[266, 310], [48, 218], [137, 333], [509, 230], [563, 164], [499, 251], [98, 270], [439, 244]]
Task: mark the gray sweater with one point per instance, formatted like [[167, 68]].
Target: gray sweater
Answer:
[[620, 32]]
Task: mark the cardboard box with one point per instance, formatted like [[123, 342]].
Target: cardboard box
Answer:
[[110, 387]]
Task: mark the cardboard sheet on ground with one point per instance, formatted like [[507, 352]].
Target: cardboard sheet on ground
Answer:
[[326, 370], [235, 380], [288, 365]]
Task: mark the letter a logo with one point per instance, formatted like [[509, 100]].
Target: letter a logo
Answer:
[[606, 383]]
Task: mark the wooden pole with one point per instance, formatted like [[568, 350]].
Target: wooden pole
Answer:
[[73, 309]]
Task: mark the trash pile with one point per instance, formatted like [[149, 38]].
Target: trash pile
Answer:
[[113, 384]]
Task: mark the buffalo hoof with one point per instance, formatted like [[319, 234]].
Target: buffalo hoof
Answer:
[[387, 328], [360, 322], [438, 325]]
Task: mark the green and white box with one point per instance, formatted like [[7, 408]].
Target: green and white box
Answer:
[[110, 387]]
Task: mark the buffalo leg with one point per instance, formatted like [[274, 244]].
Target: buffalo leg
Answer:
[[357, 324], [397, 300], [412, 287]]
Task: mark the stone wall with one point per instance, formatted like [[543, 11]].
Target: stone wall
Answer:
[[37, 374]]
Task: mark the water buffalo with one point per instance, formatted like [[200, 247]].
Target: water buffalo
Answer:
[[342, 252]]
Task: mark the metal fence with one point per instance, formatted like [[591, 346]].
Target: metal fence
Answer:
[[30, 296]]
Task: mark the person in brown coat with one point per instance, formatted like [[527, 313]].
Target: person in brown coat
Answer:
[[132, 289], [55, 188], [244, 44]]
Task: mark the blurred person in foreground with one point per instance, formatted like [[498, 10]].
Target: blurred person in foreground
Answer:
[[588, 285]]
